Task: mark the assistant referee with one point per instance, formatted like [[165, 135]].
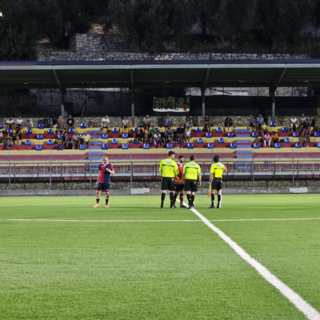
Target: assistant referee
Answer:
[[169, 171], [215, 179], [191, 172]]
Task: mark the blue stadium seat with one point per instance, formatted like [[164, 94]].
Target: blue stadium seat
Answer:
[[83, 126], [105, 136], [210, 146], [295, 134], [104, 147], [38, 147], [41, 126], [284, 129], [230, 135], [82, 147], [219, 130], [199, 140], [135, 130], [277, 145], [318, 145], [272, 124], [190, 145], [71, 131], [114, 141], [60, 136], [50, 131], [10, 131], [60, 147], [27, 143], [1, 126], [316, 134], [297, 145], [50, 142], [233, 146], [146, 146], [115, 130], [221, 140], [198, 130], [136, 141], [256, 145], [169, 145], [286, 140], [157, 129], [208, 135], [254, 135], [29, 131], [39, 137], [125, 146], [125, 136]]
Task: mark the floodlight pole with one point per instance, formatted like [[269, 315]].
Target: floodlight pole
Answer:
[[203, 91], [132, 98], [273, 99]]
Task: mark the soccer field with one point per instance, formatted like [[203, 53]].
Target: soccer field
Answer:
[[62, 259]]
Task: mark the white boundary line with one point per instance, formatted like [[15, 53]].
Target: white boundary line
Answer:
[[271, 219], [293, 297], [60, 220]]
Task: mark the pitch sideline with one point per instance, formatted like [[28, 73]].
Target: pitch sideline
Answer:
[[292, 296]]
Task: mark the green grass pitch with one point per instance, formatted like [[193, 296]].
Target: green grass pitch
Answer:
[[62, 259]]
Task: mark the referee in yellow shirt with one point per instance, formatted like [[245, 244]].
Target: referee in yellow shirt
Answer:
[[191, 173], [169, 171], [215, 179]]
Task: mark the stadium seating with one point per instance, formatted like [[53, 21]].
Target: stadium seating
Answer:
[[60, 136], [254, 135], [272, 124], [318, 145], [38, 147], [134, 130], [114, 141], [146, 146], [169, 145], [82, 147], [295, 134], [50, 142], [1, 126], [297, 145], [104, 147], [284, 129], [208, 135], [105, 136], [221, 140], [233, 146], [198, 130], [286, 140], [50, 131], [125, 136], [199, 140], [115, 130], [39, 137], [256, 145], [219, 130], [136, 141], [230, 135], [83, 126], [125, 146], [190, 145], [27, 143], [71, 131], [29, 131], [210, 146], [316, 134], [277, 145], [10, 131], [41, 126]]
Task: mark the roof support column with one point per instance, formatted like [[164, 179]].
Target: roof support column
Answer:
[[203, 94], [273, 99], [132, 98], [62, 95]]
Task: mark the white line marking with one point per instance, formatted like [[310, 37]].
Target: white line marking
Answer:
[[60, 220], [293, 297], [58, 204], [271, 219]]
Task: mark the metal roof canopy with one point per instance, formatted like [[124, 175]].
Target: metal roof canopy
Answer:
[[111, 74]]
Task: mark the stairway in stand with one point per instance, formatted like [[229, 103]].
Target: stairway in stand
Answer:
[[244, 150]]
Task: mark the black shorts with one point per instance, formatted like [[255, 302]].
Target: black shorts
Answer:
[[216, 184], [103, 186], [167, 184], [178, 187], [191, 185]]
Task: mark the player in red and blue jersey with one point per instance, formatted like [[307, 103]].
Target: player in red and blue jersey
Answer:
[[179, 185], [104, 180]]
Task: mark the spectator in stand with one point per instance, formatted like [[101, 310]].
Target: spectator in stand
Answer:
[[313, 124], [293, 123], [19, 122], [8, 142], [10, 123], [70, 122], [17, 136], [274, 138], [152, 133], [29, 124], [75, 140], [146, 122], [1, 137], [146, 135], [228, 123], [168, 134], [301, 122], [187, 135], [167, 121], [207, 124], [188, 123], [140, 133], [260, 122], [305, 127], [60, 124], [180, 135], [307, 136], [65, 141], [158, 138], [264, 128], [266, 139], [251, 122], [105, 123], [86, 139], [125, 123]]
